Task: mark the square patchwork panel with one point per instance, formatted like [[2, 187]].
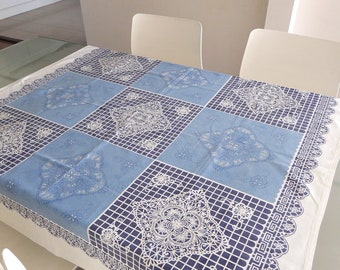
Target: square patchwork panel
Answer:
[[188, 84], [243, 154], [178, 220], [275, 105], [141, 121], [68, 98], [116, 67], [21, 135]]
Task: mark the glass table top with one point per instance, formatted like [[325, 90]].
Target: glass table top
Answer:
[[28, 56]]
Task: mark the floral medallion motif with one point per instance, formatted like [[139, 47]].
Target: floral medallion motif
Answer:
[[11, 138], [95, 125], [290, 119], [133, 120], [182, 111], [241, 212], [68, 177], [43, 132], [119, 64], [178, 226], [69, 96], [266, 98], [4, 115], [227, 103], [187, 78], [148, 144], [234, 147], [110, 236]]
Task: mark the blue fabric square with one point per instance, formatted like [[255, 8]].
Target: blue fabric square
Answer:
[[68, 98], [247, 155], [66, 180], [189, 84]]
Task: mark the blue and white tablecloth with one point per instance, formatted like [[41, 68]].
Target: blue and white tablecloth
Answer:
[[151, 165]]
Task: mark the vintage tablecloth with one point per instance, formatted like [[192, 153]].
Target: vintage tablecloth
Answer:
[[151, 165]]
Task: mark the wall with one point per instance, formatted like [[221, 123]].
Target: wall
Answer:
[[226, 25], [313, 18], [317, 19], [10, 8]]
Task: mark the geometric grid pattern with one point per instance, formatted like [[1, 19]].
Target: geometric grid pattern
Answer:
[[227, 207], [294, 118], [115, 67], [18, 145], [150, 142], [255, 230]]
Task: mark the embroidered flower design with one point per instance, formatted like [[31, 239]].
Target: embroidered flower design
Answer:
[[182, 111], [161, 179], [133, 120], [289, 119], [241, 212], [132, 96], [227, 103], [95, 125], [86, 68], [120, 64], [43, 132], [11, 138], [110, 236], [234, 147], [266, 98], [177, 226], [149, 144]]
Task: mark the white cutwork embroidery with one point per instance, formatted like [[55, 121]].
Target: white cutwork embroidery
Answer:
[[95, 125], [43, 132], [86, 68], [289, 119], [161, 179], [11, 138], [184, 78], [110, 236], [132, 96], [72, 95], [266, 98], [125, 78], [4, 115], [178, 226], [182, 111], [241, 212], [119, 64], [227, 103], [148, 144], [133, 120], [234, 147], [68, 177]]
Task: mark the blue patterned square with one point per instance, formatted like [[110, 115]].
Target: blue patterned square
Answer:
[[247, 155], [68, 98], [65, 180], [189, 84]]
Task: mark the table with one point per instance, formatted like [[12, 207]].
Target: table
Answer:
[[117, 161], [30, 55]]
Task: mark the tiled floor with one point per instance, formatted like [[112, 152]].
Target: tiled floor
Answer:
[[62, 20]]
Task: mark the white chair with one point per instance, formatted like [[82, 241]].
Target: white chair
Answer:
[[294, 61], [170, 39], [10, 262]]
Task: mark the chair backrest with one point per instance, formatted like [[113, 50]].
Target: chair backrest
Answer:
[[170, 39], [10, 261], [294, 61]]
